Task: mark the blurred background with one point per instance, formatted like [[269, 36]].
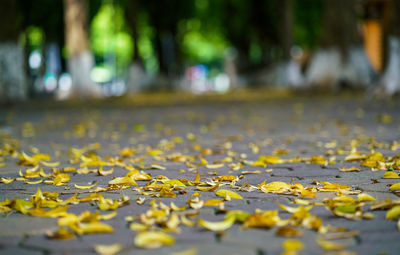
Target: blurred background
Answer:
[[110, 48]]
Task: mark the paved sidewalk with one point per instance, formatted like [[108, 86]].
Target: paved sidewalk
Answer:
[[218, 140]]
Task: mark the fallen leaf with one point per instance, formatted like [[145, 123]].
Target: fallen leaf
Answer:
[[390, 175], [331, 246], [108, 249], [153, 239], [292, 245], [84, 187], [393, 213], [217, 226], [7, 180], [228, 193], [395, 186], [287, 231], [91, 228], [193, 251], [350, 169], [364, 197], [62, 234]]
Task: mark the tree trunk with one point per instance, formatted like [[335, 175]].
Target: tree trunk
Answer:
[[12, 71], [340, 61], [80, 58], [132, 20], [286, 31], [391, 77]]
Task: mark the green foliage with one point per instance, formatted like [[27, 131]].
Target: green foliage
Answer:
[[109, 35], [145, 44], [202, 45], [308, 22], [35, 36]]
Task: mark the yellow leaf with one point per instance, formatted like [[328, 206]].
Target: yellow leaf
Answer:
[[212, 188], [107, 216], [33, 182], [41, 156], [26, 160], [50, 164], [155, 152], [395, 186], [193, 251], [393, 213], [92, 228], [101, 172], [331, 246], [61, 179], [108, 249], [364, 197], [275, 186], [174, 207], [287, 231], [292, 245], [307, 193], [126, 152], [213, 202], [228, 193], [62, 234], [355, 156], [265, 219], [349, 169], [166, 192], [5, 209], [22, 206], [7, 180], [270, 159], [217, 226], [214, 166], [138, 227], [153, 239], [84, 187], [390, 175], [195, 203], [226, 178], [107, 204], [346, 208], [53, 213], [126, 180], [318, 160], [174, 182], [197, 178]]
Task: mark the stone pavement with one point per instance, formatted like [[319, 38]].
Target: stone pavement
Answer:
[[211, 130]]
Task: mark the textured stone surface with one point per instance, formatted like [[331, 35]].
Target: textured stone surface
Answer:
[[273, 124]]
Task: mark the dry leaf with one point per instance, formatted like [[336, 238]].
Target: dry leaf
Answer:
[[228, 193], [390, 175], [287, 231], [217, 226], [153, 239], [108, 249], [84, 187]]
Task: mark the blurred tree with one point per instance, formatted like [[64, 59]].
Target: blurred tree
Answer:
[[307, 23], [396, 18], [286, 28], [80, 58], [167, 40], [341, 60], [12, 74], [341, 33], [390, 82], [132, 18]]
